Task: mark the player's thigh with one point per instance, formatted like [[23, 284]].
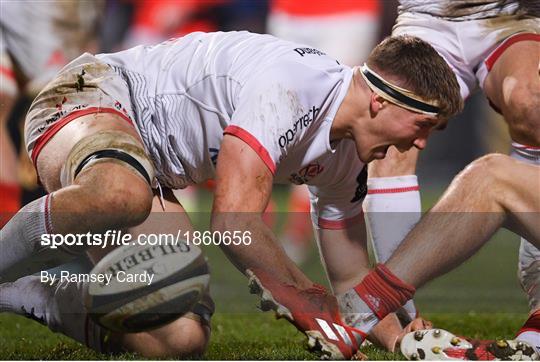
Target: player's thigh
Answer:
[[514, 74]]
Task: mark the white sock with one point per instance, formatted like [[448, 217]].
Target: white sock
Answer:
[[532, 338], [58, 306], [355, 312], [392, 207], [20, 242], [525, 153]]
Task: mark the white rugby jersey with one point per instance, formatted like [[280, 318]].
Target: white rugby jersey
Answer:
[[460, 9], [277, 96]]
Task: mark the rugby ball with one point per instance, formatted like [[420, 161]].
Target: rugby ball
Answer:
[[141, 287]]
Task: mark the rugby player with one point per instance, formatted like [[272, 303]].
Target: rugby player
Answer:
[[248, 110], [492, 45], [345, 30]]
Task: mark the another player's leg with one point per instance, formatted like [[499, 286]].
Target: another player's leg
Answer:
[[514, 88], [484, 197], [392, 206], [481, 199]]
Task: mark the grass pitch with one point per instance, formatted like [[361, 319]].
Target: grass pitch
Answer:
[[481, 299]]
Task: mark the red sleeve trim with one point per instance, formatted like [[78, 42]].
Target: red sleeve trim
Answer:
[[51, 131], [492, 59], [394, 190], [254, 144], [8, 72], [339, 224]]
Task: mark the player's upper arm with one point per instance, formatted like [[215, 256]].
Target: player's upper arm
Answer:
[[243, 180]]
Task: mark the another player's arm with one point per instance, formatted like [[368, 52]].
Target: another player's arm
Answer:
[[243, 189]]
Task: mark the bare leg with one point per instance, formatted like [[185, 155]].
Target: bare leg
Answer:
[[513, 85], [392, 206], [484, 197], [95, 202]]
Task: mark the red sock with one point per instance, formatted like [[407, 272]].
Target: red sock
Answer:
[[10, 201], [384, 292]]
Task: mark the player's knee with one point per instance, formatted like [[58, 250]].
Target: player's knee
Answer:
[[521, 112], [485, 174], [490, 166], [190, 341], [122, 200], [181, 339]]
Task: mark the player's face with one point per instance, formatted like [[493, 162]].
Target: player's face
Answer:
[[397, 127]]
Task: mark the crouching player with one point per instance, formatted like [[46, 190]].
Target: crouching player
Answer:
[[480, 200], [99, 178]]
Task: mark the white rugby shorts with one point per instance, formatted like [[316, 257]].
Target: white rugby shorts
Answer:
[[84, 86]]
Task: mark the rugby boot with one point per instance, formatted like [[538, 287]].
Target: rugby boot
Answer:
[[312, 311], [441, 345]]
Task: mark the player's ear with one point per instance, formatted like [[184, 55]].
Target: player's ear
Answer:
[[376, 103]]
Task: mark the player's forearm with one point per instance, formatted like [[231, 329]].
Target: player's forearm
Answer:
[[264, 251]]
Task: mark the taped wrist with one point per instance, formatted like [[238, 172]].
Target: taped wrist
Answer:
[[383, 291]]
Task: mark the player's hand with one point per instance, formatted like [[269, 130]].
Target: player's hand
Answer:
[[416, 324]]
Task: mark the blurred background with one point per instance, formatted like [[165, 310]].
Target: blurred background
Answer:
[[486, 283]]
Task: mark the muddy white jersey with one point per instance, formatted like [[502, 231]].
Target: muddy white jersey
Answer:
[[277, 96], [461, 9]]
